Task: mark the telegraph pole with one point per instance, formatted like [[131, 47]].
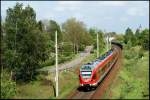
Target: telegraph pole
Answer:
[[107, 43], [106, 40], [56, 60], [97, 45]]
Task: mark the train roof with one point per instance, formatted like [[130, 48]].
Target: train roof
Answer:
[[93, 64]]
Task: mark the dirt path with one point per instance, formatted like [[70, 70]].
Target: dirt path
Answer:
[[67, 65]]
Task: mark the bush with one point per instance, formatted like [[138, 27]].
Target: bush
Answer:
[[134, 52], [8, 87], [48, 62]]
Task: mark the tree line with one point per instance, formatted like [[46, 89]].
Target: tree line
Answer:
[[27, 44], [139, 38]]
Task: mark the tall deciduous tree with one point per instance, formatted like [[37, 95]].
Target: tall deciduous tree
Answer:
[[93, 32], [52, 28], [75, 31], [25, 43]]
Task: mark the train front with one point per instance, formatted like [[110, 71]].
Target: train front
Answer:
[[86, 76]]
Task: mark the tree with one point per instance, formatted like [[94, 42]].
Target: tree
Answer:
[[8, 87], [144, 39], [129, 36], [41, 26], [25, 43], [93, 32], [120, 38], [76, 33], [52, 28], [137, 36]]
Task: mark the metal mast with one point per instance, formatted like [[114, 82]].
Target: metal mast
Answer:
[[56, 52], [97, 45]]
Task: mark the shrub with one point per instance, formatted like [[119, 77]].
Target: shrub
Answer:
[[8, 87]]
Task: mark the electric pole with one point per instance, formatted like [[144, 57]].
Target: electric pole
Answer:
[[106, 39], [109, 41], [97, 45], [56, 60]]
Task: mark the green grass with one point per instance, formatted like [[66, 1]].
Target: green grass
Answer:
[[132, 82], [33, 90], [68, 82]]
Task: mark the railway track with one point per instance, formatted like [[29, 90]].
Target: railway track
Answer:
[[104, 84]]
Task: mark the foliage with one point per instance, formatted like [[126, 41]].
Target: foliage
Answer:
[[75, 31], [52, 28], [93, 32], [8, 87], [133, 79], [144, 38], [129, 36], [139, 38], [25, 44]]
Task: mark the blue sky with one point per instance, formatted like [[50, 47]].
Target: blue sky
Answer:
[[105, 15]]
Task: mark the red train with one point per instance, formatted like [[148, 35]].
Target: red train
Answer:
[[92, 73]]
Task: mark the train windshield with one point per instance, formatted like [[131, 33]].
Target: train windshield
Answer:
[[86, 74], [86, 67]]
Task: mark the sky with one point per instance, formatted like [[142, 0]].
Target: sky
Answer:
[[111, 16]]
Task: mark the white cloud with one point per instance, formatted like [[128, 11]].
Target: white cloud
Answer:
[[67, 5], [78, 16], [135, 11], [69, 2], [108, 18], [113, 3], [124, 19]]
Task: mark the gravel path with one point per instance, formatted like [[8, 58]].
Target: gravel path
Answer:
[[67, 65]]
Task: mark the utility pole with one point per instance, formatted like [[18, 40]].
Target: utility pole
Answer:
[[97, 45], [56, 60], [107, 43], [106, 40]]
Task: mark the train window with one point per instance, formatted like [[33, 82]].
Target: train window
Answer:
[[86, 67], [86, 74]]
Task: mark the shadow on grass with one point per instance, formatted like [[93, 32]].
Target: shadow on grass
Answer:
[[49, 83]]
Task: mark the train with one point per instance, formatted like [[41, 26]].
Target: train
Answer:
[[91, 74]]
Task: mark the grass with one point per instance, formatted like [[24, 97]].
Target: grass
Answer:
[[36, 90], [68, 82], [33, 90], [132, 82]]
